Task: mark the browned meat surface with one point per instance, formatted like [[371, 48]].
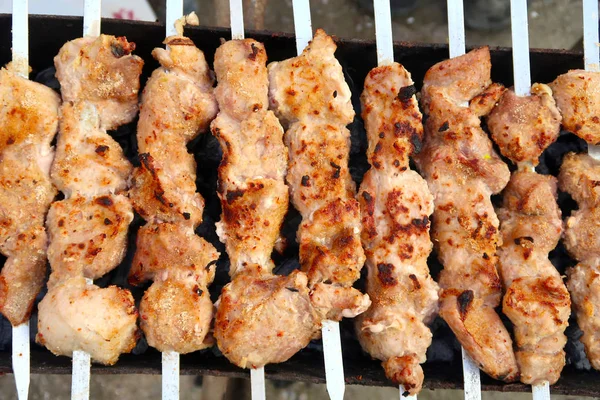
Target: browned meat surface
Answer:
[[28, 123], [577, 95], [75, 315], [309, 94], [254, 198], [88, 236], [88, 229], [242, 90], [88, 161], [579, 176], [524, 126], [584, 286], [176, 311], [311, 86], [101, 72], [462, 78], [536, 300], [177, 104], [264, 318], [261, 318], [482, 104], [463, 171], [396, 204]]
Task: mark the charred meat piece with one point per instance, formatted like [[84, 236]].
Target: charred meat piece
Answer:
[[536, 299], [264, 319]]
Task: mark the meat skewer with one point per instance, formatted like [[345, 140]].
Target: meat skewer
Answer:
[[312, 99], [332, 346], [88, 229], [29, 122], [576, 95], [261, 317], [463, 171], [523, 124], [80, 384], [456, 45], [177, 104], [396, 205], [236, 15]]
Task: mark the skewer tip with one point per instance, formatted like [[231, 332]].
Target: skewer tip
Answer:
[[472, 378], [80, 384], [257, 382], [541, 392], [20, 359], [402, 391], [334, 364], [170, 375]]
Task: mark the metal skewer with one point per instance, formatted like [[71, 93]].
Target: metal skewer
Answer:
[[384, 40], [20, 59], [590, 50], [170, 359], [236, 18], [330, 331], [456, 43], [80, 380], [522, 80]]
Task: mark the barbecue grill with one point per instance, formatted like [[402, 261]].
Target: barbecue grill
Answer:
[[443, 368]]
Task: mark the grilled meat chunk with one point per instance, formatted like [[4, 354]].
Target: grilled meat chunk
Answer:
[[577, 95], [88, 160], [87, 236], [536, 300], [254, 198], [524, 126], [102, 72], [463, 171], [28, 123], [177, 103], [264, 319], [75, 315], [579, 174], [311, 86]]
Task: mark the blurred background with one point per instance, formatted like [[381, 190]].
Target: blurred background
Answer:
[[553, 24]]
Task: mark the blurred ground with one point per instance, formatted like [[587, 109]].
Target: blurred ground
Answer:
[[147, 387], [553, 24]]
